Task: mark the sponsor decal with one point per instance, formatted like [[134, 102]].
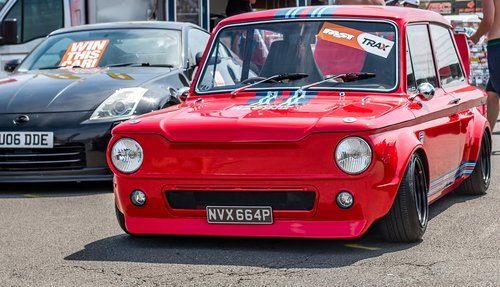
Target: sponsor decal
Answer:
[[84, 54], [356, 39], [61, 76], [120, 76]]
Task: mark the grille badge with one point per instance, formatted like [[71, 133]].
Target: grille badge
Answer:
[[22, 119]]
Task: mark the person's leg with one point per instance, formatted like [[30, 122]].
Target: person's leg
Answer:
[[493, 107]]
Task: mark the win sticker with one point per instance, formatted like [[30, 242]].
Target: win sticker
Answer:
[[84, 54]]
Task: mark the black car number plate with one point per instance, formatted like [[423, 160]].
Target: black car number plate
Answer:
[[240, 214]]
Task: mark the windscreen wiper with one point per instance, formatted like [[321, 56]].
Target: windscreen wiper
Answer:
[[274, 78], [347, 77], [58, 67], [134, 64]]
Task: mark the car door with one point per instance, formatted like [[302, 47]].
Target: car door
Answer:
[[454, 82], [439, 127]]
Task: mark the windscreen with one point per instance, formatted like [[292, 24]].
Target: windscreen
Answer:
[[244, 54], [101, 48]]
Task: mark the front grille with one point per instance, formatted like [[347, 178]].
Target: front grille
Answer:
[[61, 157], [278, 200]]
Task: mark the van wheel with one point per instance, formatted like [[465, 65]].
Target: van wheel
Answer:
[[479, 181], [407, 219]]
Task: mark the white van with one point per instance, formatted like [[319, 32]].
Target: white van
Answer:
[[24, 23]]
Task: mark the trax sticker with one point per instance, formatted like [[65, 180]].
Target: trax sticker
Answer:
[[356, 39], [84, 54], [375, 45]]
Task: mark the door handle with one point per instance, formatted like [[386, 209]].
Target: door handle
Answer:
[[454, 101]]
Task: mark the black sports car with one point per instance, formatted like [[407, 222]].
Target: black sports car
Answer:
[[58, 107]]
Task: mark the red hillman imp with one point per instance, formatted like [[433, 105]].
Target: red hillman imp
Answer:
[[316, 122]]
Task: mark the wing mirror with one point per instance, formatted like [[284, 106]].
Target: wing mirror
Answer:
[[182, 94], [198, 58], [11, 65], [426, 92], [9, 32]]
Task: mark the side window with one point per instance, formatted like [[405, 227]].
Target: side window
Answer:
[[197, 41], [421, 55], [449, 69], [36, 18], [410, 76]]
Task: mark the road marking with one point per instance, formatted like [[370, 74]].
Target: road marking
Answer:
[[358, 246]]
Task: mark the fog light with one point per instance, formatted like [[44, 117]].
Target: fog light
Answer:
[[138, 197], [344, 199]]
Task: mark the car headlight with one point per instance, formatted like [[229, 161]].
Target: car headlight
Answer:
[[353, 155], [127, 155], [121, 103]]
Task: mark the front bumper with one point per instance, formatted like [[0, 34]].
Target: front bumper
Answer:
[[324, 220], [78, 153]]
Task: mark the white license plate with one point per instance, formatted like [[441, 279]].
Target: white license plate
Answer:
[[26, 139], [240, 214]]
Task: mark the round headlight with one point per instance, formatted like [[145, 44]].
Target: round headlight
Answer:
[[353, 155], [127, 155]]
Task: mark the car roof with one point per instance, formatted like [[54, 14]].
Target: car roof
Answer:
[[127, 25], [397, 14]]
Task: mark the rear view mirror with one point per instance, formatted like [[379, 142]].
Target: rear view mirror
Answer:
[[9, 32], [11, 65]]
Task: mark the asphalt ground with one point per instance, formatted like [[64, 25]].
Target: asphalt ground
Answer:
[[67, 235]]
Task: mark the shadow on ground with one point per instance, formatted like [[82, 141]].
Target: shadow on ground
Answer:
[[257, 252], [34, 190]]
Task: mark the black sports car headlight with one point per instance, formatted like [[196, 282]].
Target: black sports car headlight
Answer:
[[120, 104]]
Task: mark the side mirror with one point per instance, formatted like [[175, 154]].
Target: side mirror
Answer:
[[182, 94], [9, 32], [426, 91], [198, 57], [11, 65]]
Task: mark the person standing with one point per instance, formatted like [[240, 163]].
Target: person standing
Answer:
[[490, 24], [235, 7]]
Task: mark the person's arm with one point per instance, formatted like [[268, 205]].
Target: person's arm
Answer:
[[486, 22]]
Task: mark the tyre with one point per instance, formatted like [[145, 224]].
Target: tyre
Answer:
[[479, 181], [407, 219], [121, 219]]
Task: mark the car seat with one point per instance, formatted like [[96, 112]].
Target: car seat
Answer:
[[282, 58]]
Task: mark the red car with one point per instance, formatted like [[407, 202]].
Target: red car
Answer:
[[309, 122]]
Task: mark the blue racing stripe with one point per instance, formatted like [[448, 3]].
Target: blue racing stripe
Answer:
[[313, 13], [294, 99]]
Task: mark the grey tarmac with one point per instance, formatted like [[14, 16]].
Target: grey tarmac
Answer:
[[67, 235]]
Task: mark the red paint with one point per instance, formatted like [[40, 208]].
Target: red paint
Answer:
[[219, 143]]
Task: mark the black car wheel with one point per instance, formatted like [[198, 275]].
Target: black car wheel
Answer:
[[407, 219], [479, 181]]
